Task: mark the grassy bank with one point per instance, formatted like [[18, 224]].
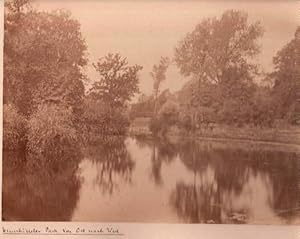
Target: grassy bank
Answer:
[[287, 134]]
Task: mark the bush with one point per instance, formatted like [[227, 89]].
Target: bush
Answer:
[[168, 116], [99, 121], [51, 130], [263, 114], [232, 113], [292, 115], [155, 125], [14, 127]]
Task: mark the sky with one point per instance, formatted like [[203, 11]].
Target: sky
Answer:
[[143, 31]]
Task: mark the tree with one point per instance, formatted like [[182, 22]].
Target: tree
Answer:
[[216, 45], [44, 57], [117, 83], [158, 75], [166, 118], [286, 80], [143, 108], [14, 128], [217, 54], [99, 121], [16, 5], [107, 98], [56, 132]]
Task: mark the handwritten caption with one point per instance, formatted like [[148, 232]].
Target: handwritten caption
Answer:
[[62, 231]]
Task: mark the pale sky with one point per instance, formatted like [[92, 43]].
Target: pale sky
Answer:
[[143, 31]]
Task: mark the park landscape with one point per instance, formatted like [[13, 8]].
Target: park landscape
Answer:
[[223, 148]]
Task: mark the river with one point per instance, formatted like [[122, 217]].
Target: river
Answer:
[[163, 180]]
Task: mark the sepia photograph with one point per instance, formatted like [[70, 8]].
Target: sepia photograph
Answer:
[[151, 111]]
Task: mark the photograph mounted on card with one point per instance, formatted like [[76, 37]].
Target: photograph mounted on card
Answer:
[[151, 112]]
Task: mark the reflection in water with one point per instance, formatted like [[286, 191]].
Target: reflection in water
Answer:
[[163, 151], [161, 180], [111, 159], [235, 185], [44, 191]]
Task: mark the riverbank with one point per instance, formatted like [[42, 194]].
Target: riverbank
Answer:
[[284, 135]]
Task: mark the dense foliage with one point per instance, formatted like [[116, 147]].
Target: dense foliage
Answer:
[[224, 86], [106, 102], [47, 106], [44, 56], [56, 133], [117, 81], [286, 80], [216, 54], [14, 127], [100, 121]]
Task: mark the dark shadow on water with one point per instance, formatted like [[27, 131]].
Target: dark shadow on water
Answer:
[[163, 151], [211, 182], [112, 160], [40, 189], [227, 179]]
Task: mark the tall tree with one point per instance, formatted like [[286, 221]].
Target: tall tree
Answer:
[[117, 81], [219, 53], [44, 57], [217, 45], [286, 79], [158, 75]]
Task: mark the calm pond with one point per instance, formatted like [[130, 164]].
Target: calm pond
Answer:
[[172, 181]]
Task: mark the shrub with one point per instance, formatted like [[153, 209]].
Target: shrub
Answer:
[[262, 114], [99, 121], [167, 117], [292, 115], [14, 127], [185, 123], [51, 129], [156, 125]]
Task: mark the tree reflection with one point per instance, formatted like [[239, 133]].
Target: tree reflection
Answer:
[[163, 151], [40, 189], [225, 180], [143, 141], [197, 202], [285, 185], [112, 161]]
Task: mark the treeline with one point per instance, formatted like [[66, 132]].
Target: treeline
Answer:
[[226, 86], [44, 56], [47, 107]]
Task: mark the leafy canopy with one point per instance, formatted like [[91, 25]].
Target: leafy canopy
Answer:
[[117, 81], [44, 58], [286, 78], [216, 45]]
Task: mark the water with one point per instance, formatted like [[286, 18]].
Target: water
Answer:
[[144, 180]]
